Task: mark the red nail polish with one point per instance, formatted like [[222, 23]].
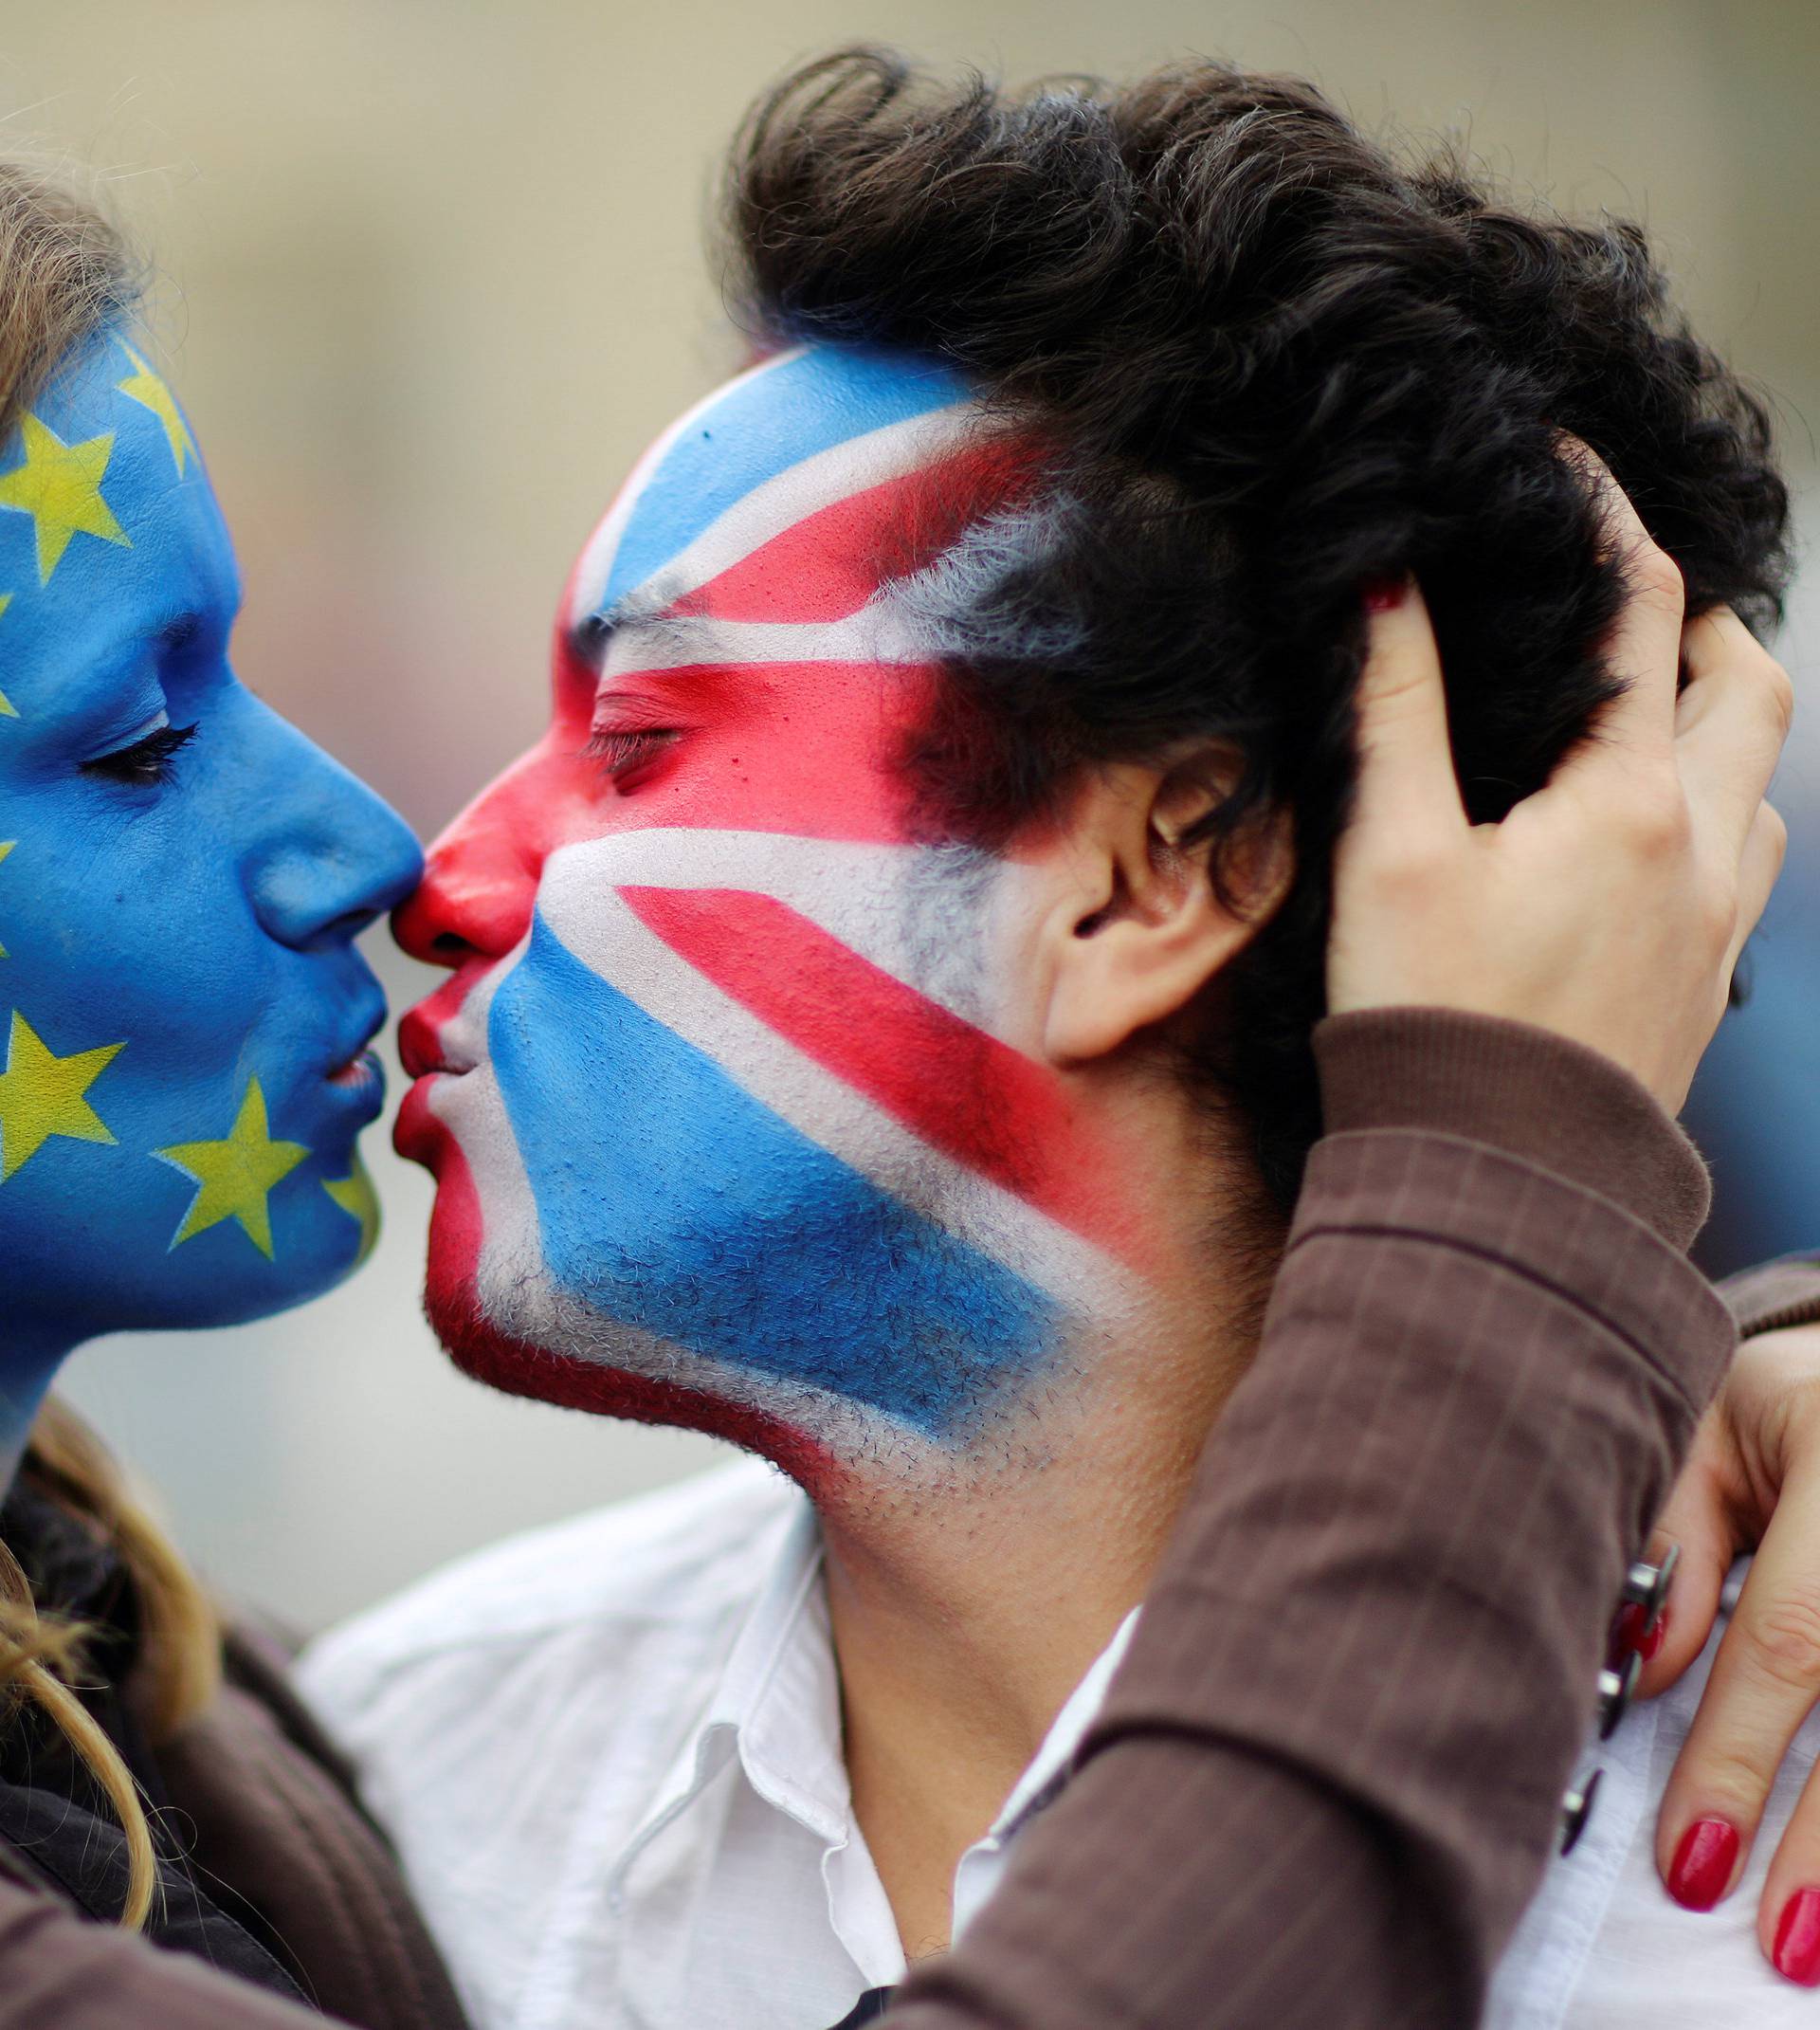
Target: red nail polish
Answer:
[[1384, 596], [1628, 1633], [1703, 1864], [1797, 1938]]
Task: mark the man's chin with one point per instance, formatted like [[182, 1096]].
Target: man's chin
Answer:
[[481, 1350]]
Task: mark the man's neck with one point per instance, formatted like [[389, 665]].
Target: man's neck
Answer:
[[966, 1608]]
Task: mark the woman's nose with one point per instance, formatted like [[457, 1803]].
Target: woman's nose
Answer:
[[479, 882], [333, 857]]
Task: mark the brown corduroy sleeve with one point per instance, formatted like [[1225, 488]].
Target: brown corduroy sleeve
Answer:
[[1328, 1776], [62, 1970]]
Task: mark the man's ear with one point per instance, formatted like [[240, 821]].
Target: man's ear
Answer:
[[1134, 929]]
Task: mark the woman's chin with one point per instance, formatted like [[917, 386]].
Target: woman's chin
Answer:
[[227, 1281], [315, 1265]]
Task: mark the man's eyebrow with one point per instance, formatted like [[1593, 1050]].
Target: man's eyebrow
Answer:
[[588, 638], [646, 610]]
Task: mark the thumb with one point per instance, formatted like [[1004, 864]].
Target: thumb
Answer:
[[1697, 1520]]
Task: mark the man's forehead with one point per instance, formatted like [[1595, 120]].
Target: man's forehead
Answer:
[[761, 454]]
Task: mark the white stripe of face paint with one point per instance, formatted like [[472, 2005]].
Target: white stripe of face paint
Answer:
[[768, 509], [895, 905], [796, 1088]]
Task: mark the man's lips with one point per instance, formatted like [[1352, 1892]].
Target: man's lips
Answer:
[[420, 1043]]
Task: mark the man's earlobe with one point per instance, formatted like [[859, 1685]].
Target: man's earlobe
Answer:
[[1147, 930]]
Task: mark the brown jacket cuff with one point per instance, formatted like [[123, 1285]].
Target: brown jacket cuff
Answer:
[[1780, 1294], [1522, 1089]]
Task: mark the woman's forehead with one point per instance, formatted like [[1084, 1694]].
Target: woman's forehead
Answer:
[[778, 444], [108, 525]]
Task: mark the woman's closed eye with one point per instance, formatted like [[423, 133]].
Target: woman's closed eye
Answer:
[[147, 761]]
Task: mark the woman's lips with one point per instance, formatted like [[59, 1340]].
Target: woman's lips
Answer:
[[362, 1069]]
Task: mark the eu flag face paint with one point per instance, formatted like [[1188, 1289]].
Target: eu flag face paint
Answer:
[[727, 1125], [182, 1057]]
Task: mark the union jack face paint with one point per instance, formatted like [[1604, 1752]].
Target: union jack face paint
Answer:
[[726, 1096]]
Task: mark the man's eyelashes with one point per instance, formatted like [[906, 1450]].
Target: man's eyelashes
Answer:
[[625, 753]]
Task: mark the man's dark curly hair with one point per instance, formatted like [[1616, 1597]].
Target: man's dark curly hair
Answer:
[[1268, 363]]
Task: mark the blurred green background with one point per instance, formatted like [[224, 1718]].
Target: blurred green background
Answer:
[[429, 278]]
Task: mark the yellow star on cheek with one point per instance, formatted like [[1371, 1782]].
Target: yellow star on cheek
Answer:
[[356, 1195], [233, 1177], [145, 388], [41, 1095], [60, 487], [5, 847]]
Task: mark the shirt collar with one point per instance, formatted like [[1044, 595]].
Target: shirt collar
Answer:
[[777, 1707], [780, 1697]]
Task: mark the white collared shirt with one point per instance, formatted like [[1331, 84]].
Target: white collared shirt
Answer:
[[609, 1754]]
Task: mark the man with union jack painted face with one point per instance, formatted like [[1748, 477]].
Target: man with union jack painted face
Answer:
[[881, 1018]]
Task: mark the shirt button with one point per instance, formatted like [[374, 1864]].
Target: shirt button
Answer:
[[1576, 1808], [1616, 1683]]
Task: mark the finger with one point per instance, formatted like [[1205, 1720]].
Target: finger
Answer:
[[1698, 1519], [1731, 723], [1765, 1681], [1788, 1914], [1643, 649], [1406, 779], [1757, 872]]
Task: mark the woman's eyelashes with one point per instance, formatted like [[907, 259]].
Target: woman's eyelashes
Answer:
[[148, 760]]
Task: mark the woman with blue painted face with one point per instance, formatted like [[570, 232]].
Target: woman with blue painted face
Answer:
[[184, 1074]]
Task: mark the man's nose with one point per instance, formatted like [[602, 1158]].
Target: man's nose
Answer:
[[331, 856], [479, 882]]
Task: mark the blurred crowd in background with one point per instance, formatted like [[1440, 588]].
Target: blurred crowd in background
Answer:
[[427, 278]]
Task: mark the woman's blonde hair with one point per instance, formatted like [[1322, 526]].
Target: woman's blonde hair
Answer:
[[67, 272]]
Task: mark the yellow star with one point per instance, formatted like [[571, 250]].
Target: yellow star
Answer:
[[6, 710], [145, 388], [234, 1176], [41, 1096], [5, 847], [356, 1195], [60, 487]]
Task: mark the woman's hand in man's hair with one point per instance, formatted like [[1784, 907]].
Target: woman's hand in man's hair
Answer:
[[1611, 906], [1752, 1483]]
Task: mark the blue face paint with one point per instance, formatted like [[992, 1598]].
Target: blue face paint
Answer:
[[716, 1224], [183, 1016], [805, 404]]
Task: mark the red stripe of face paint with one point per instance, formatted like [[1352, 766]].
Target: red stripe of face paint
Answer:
[[957, 1087], [827, 565], [810, 748]]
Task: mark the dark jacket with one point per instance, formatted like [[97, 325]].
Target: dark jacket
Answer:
[[1328, 1776]]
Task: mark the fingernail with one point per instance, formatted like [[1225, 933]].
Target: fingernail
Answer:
[[1797, 1939], [1704, 1863], [1629, 1633], [1384, 596]]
